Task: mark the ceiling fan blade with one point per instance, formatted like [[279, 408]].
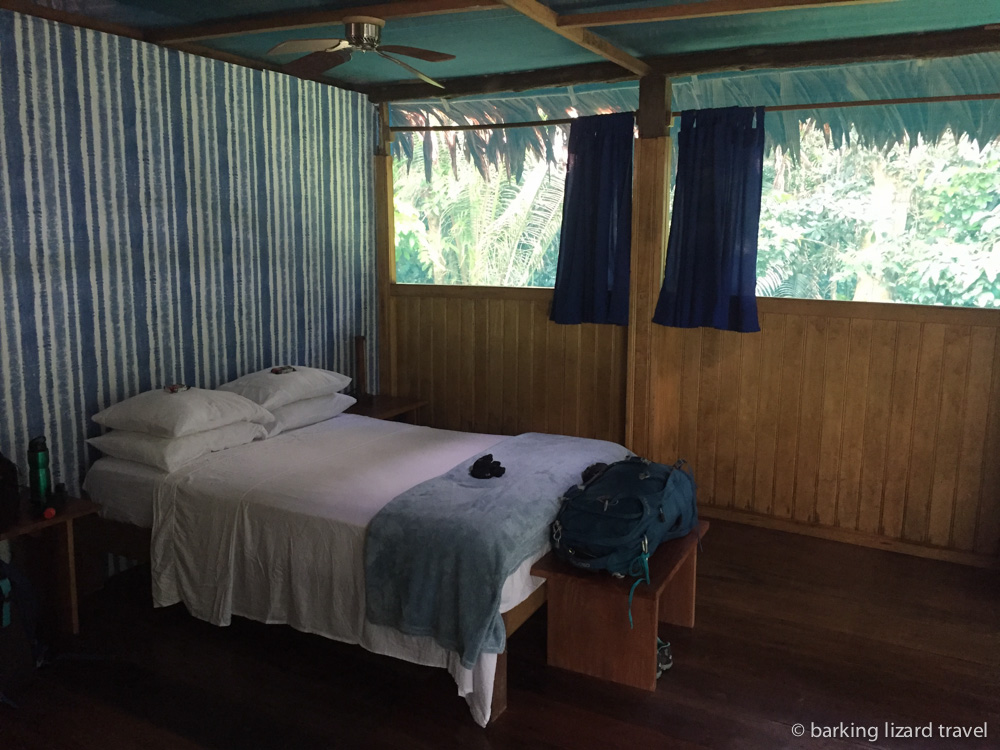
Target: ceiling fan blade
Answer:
[[427, 55], [298, 46], [417, 73], [316, 64]]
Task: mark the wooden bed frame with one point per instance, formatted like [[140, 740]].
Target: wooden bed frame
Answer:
[[127, 540]]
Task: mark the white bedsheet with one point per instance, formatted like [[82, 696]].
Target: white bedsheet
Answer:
[[274, 531]]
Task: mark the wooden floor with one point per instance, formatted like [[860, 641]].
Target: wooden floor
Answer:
[[790, 629]]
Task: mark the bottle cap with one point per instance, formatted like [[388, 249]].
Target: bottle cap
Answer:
[[37, 444], [49, 513]]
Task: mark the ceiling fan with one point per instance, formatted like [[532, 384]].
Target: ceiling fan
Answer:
[[361, 34]]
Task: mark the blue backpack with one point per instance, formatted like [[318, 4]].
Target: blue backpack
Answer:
[[621, 513]]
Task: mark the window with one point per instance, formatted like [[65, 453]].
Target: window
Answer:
[[480, 209], [918, 223]]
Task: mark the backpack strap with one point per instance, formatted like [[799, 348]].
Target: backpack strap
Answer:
[[639, 568], [5, 595]]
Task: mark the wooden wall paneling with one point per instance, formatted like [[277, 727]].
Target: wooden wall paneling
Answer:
[[400, 322], [948, 446], [470, 391], [585, 394], [442, 375], [988, 521], [982, 348], [772, 328], [453, 360], [573, 364], [728, 418], [838, 347], [481, 352], [555, 373], [539, 378], [525, 330], [901, 414], [876, 436], [853, 433], [707, 400], [619, 379], [746, 426], [425, 359], [810, 421], [925, 424], [509, 401], [603, 394], [495, 405], [786, 451], [687, 428], [665, 394]]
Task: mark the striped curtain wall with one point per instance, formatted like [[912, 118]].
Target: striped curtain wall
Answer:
[[167, 218]]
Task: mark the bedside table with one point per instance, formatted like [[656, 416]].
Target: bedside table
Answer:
[[399, 408], [62, 525]]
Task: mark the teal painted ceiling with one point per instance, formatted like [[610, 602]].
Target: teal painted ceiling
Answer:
[[502, 41]]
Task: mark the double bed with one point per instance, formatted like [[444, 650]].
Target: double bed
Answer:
[[276, 531]]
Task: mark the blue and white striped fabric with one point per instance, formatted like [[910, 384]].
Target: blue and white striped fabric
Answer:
[[168, 218]]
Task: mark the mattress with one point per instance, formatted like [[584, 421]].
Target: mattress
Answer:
[[274, 531], [124, 489]]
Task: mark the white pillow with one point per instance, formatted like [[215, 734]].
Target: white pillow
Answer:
[[170, 454], [182, 413], [310, 411], [272, 391]]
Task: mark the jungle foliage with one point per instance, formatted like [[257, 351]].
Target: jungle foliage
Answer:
[[918, 222]]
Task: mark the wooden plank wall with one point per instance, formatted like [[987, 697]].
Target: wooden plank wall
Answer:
[[489, 360], [873, 423], [870, 423]]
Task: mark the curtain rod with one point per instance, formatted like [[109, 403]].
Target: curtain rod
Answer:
[[777, 108]]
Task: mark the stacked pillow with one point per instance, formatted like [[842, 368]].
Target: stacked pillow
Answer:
[[168, 428], [296, 396]]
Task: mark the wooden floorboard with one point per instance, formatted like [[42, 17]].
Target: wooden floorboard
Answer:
[[789, 629]]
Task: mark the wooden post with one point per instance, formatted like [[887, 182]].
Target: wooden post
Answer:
[[385, 242], [650, 188]]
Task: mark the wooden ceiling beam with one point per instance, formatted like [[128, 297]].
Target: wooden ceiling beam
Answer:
[[776, 56], [73, 19], [605, 72], [705, 9], [920, 45], [548, 18], [311, 18]]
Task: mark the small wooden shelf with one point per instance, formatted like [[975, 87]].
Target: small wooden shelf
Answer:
[[588, 628], [61, 525], [403, 408]]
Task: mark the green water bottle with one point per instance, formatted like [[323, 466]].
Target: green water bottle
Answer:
[[39, 476]]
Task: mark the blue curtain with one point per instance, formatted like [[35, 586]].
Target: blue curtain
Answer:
[[592, 277], [711, 272]]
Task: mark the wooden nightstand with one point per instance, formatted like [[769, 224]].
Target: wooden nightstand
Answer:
[[62, 525], [400, 408]]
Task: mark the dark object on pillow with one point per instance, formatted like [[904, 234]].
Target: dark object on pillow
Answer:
[[593, 470], [10, 499], [485, 467]]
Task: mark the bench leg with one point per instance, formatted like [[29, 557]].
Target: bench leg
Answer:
[[677, 599], [499, 704]]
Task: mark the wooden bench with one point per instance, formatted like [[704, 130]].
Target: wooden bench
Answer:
[[588, 629]]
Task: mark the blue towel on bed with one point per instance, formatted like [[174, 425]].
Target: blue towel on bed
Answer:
[[437, 556]]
